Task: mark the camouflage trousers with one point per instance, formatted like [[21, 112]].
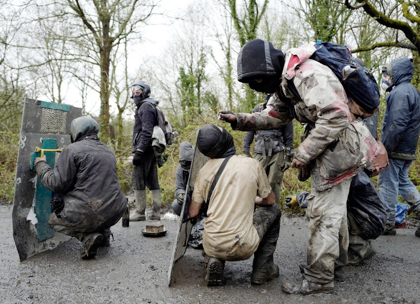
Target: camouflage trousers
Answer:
[[272, 167], [328, 233], [267, 222]]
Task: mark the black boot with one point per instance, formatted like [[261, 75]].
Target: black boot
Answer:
[[107, 237], [91, 242]]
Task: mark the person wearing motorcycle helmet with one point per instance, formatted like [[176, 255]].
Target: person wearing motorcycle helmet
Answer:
[[144, 161]]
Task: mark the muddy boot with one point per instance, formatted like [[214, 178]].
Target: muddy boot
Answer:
[[156, 202], [340, 274], [139, 213], [389, 230], [107, 237], [264, 275], [91, 242], [306, 287], [214, 276]]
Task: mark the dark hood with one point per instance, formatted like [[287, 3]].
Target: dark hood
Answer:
[[82, 127], [402, 71], [259, 58], [186, 151], [214, 143]]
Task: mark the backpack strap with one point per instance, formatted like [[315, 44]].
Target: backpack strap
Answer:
[[154, 105], [213, 185]]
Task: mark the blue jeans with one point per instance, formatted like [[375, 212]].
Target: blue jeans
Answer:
[[394, 180]]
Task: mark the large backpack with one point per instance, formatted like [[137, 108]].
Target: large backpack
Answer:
[[358, 81], [166, 127], [366, 207], [164, 124]]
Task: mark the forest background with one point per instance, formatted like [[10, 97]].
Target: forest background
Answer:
[[87, 53]]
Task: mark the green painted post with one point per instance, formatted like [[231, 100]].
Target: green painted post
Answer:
[[43, 196]]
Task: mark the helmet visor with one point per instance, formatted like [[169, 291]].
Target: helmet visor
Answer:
[[137, 87]]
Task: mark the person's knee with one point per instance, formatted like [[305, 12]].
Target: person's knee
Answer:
[[276, 211], [176, 207]]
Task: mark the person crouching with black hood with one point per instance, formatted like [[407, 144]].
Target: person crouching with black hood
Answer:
[[85, 175], [232, 230]]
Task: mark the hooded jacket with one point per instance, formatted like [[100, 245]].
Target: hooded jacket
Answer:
[[337, 148], [186, 153], [401, 127], [85, 174]]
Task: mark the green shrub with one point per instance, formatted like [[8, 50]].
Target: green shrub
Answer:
[[8, 160]]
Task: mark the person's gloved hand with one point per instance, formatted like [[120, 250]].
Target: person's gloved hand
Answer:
[[226, 116], [287, 163], [137, 157], [180, 198], [291, 201], [247, 153]]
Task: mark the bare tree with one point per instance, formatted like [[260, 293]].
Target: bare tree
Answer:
[[101, 26], [326, 19], [246, 19], [398, 15], [401, 15]]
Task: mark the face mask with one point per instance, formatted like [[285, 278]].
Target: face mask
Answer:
[[267, 85], [385, 85], [185, 164], [138, 99]]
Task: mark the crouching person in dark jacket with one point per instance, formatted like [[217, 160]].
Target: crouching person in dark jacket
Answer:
[[186, 153], [85, 175]]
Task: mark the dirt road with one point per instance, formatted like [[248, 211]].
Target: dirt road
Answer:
[[135, 270]]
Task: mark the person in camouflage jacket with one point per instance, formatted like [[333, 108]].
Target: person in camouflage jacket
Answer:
[[336, 148]]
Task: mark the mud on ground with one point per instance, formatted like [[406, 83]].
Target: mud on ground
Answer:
[[135, 270]]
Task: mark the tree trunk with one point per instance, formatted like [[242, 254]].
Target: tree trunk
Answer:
[[104, 93]]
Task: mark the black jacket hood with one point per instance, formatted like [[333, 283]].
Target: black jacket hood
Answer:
[[259, 58], [83, 126]]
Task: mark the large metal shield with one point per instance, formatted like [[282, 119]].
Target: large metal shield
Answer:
[[185, 225], [45, 125]]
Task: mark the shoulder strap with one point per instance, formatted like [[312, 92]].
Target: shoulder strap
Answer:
[[148, 100], [216, 178]]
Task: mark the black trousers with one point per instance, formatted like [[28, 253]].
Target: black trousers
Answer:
[[146, 174]]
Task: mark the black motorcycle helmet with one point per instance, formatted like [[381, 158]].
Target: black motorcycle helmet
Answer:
[[142, 85]]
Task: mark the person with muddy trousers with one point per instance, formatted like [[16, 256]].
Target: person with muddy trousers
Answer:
[[400, 134], [87, 194], [273, 149], [144, 161], [309, 91], [232, 230]]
